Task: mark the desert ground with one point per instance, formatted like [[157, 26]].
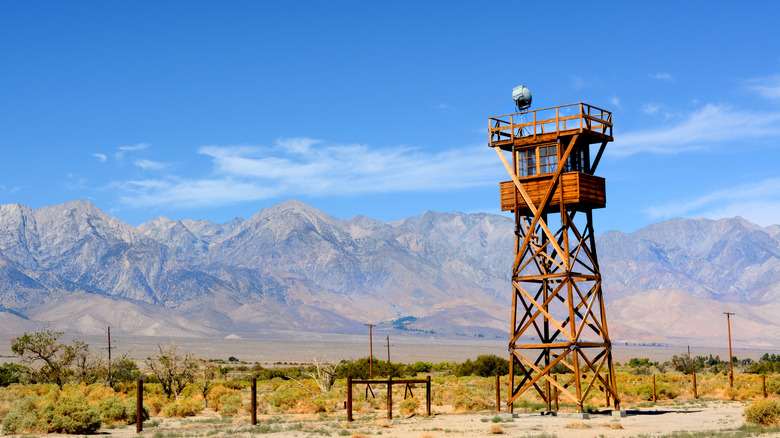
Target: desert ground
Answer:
[[659, 420]]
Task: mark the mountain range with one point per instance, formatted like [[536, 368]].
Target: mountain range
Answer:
[[73, 267]]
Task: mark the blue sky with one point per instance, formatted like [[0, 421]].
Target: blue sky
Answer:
[[212, 110]]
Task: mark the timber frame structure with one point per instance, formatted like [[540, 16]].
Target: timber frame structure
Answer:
[[558, 319]]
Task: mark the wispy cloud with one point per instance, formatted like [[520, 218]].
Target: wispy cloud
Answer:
[[308, 167], [101, 157], [708, 126], [757, 202], [151, 165], [615, 102], [135, 147], [120, 156], [662, 76], [650, 108], [768, 87]]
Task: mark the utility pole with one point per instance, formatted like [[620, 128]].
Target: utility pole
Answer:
[[388, 349], [110, 381], [731, 356], [371, 350]]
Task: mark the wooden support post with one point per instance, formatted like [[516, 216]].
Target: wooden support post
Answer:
[[498, 394], [254, 401], [139, 406], [695, 392], [428, 395], [555, 377], [349, 398], [763, 382], [654, 399], [389, 397]]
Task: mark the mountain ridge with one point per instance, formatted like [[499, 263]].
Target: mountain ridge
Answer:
[[294, 267]]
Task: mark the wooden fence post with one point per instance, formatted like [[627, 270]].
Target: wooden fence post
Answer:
[[349, 398], [254, 401], [555, 377], [695, 392], [389, 397], [763, 380], [139, 406], [428, 395], [498, 394], [654, 396]]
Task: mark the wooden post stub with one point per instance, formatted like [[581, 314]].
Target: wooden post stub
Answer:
[[139, 406], [695, 391], [254, 401], [654, 397], [763, 380], [389, 397], [498, 394], [428, 395], [349, 398]]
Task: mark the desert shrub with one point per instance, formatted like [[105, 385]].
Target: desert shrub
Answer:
[[23, 417], [112, 410], [182, 409], [131, 411], [221, 395], [484, 366], [409, 406], [10, 373], [360, 369], [285, 397], [763, 412], [155, 403], [644, 390], [229, 410], [72, 414], [773, 385], [466, 402]]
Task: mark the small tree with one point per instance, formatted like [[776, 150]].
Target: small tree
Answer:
[[685, 364], [324, 375], [57, 358], [173, 368], [204, 386]]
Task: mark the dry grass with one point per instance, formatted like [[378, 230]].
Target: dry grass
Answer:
[[577, 425], [495, 429]]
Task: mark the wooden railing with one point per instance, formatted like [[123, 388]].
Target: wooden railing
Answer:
[[554, 120]]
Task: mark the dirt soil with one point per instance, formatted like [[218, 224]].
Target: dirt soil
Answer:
[[698, 416]]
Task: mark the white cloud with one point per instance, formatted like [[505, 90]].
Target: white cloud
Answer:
[[661, 76], [150, 165], [307, 167], [101, 157], [710, 125], [135, 147], [768, 87], [615, 102], [757, 202], [650, 108]]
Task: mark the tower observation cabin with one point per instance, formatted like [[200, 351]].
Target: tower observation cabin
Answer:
[[539, 141], [558, 318]]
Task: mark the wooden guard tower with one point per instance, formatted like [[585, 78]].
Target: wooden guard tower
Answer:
[[558, 320]]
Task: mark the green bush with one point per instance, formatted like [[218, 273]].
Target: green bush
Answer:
[[131, 411], [182, 409], [469, 403], [10, 373], [484, 366], [409, 406], [112, 410], [763, 412], [23, 417], [72, 414]]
